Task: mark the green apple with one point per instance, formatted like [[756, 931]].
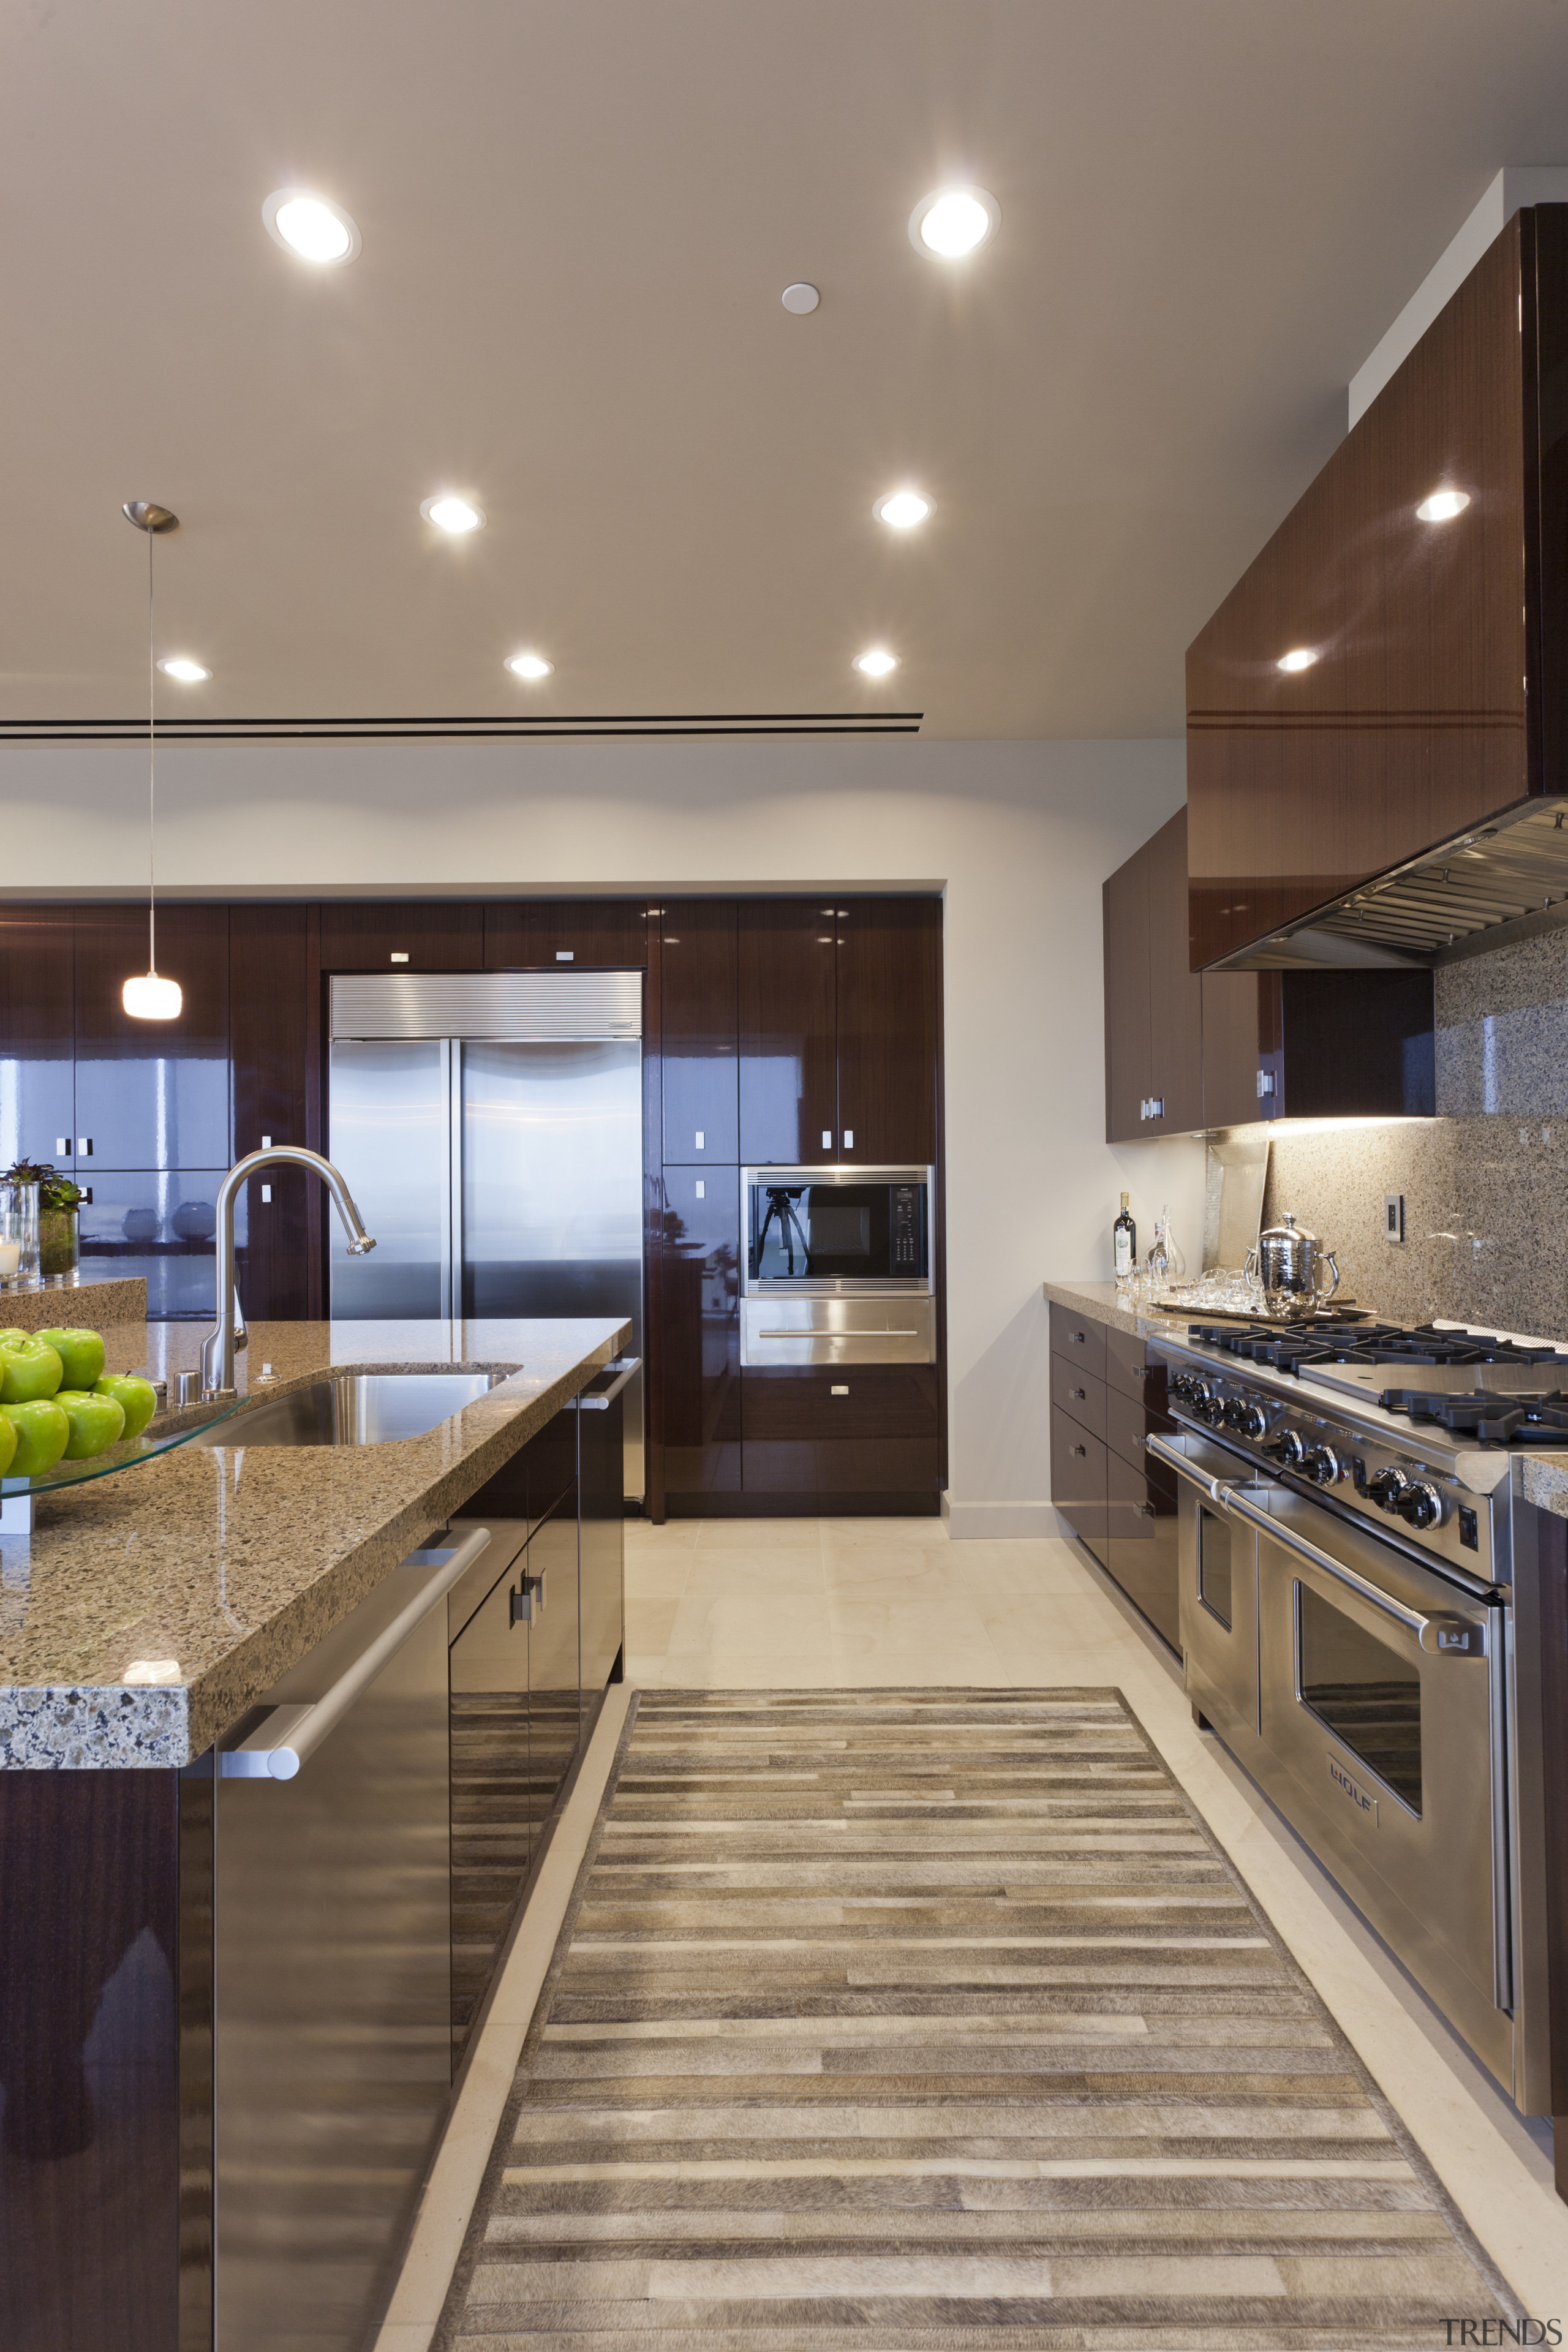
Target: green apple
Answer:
[[97, 1422], [42, 1435], [7, 1444], [29, 1367], [137, 1398], [81, 1353]]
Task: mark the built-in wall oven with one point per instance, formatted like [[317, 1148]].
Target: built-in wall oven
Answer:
[[1367, 1690], [838, 1265]]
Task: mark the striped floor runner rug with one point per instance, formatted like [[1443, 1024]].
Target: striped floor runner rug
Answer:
[[925, 2017]]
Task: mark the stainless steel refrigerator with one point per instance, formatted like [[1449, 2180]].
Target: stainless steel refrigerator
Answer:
[[490, 1125]]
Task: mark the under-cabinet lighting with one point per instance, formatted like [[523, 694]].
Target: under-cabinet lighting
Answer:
[[952, 223], [1443, 506], [188, 672], [312, 226], [451, 513], [1300, 657], [877, 663]]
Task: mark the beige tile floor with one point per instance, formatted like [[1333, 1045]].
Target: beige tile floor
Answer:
[[805, 1604]]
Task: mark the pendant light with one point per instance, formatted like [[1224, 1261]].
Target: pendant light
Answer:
[[146, 996]]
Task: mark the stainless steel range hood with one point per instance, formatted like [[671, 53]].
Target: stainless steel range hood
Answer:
[[1502, 882]]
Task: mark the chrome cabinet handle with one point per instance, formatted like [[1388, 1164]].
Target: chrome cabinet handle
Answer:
[[1163, 1451], [815, 1331], [1082, 1451], [1144, 1510], [605, 1398], [288, 1737], [1082, 1395]]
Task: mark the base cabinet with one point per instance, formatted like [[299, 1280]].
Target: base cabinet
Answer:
[[1115, 1498], [868, 1432]]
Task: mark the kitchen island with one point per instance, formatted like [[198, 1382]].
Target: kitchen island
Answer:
[[160, 2006]]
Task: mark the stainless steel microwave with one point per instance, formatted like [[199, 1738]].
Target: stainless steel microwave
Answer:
[[838, 1266]]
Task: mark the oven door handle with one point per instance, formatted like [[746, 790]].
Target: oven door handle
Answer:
[[1163, 1451], [1427, 1629]]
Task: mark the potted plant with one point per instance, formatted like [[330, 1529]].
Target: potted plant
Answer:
[[58, 1201]]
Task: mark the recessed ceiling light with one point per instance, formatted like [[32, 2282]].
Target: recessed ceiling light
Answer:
[[1301, 657], [877, 663], [902, 510], [188, 672], [312, 226], [1443, 506], [800, 297], [451, 513], [530, 666], [952, 221]]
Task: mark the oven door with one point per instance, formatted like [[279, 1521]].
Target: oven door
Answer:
[[1382, 1690], [1217, 1591]]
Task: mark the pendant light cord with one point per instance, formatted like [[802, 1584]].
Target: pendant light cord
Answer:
[[151, 775]]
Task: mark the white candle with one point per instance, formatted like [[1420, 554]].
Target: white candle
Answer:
[[10, 1258]]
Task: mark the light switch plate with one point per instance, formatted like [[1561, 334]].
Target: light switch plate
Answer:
[[1394, 1216]]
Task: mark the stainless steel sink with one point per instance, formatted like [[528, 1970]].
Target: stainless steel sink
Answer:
[[352, 1409]]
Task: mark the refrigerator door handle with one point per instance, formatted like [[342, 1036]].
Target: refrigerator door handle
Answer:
[[288, 1737], [452, 1222]]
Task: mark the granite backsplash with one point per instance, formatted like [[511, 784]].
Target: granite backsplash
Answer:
[[1485, 1182]]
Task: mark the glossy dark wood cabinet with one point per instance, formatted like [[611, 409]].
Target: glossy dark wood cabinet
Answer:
[[1434, 698], [1153, 1003], [788, 1032], [398, 935], [700, 1332], [131, 1123], [1107, 1395], [700, 1031], [888, 979], [838, 1431], [1317, 1044], [542, 934], [37, 1035], [273, 971]]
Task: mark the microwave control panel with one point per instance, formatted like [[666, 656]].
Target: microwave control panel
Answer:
[[906, 1225]]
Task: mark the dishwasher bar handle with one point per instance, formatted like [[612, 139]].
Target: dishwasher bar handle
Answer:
[[625, 1366], [287, 1737]]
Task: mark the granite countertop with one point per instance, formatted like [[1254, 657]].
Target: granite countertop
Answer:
[[93, 1299], [230, 1564], [1540, 1478]]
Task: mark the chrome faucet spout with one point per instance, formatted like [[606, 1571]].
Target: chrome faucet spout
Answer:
[[218, 1347]]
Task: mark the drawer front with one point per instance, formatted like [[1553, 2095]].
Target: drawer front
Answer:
[[1143, 1528], [1077, 1481], [1127, 1424], [1079, 1340], [833, 1402], [839, 1465], [795, 1330], [1078, 1394], [1134, 1370]]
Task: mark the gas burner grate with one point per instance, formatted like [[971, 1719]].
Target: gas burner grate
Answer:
[[1290, 1349], [1490, 1419]]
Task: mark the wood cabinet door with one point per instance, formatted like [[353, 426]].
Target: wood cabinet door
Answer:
[[567, 934], [397, 935], [700, 1033], [1128, 1037], [1175, 990], [272, 975], [1237, 1018], [889, 1013], [38, 1041], [699, 1331], [788, 1032]]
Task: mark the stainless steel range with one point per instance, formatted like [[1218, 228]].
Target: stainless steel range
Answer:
[[1349, 1566]]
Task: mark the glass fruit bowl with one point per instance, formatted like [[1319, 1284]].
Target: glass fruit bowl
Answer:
[[162, 1435]]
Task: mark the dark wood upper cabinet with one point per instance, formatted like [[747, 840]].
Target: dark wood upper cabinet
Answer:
[[533, 934], [789, 1078], [130, 1123], [271, 994], [38, 1036], [699, 1038], [1153, 1003], [413, 935], [699, 1370], [1435, 698], [889, 1016]]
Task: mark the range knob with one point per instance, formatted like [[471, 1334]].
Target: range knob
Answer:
[[1419, 1505], [1284, 1447], [1385, 1486], [1210, 1408], [1322, 1464], [1184, 1386], [1248, 1419]]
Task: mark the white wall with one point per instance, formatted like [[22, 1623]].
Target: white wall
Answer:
[[1020, 837]]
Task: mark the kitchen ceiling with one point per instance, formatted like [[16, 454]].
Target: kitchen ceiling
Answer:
[[578, 221]]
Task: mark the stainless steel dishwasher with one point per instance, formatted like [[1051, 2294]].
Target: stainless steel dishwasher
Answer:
[[332, 1976]]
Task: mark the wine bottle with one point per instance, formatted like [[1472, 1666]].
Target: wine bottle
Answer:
[[1124, 1241]]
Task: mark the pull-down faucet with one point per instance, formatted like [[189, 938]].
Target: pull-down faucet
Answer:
[[217, 1348]]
